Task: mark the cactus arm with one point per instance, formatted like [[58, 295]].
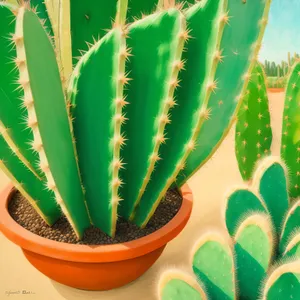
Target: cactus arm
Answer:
[[28, 185], [156, 44], [253, 136], [89, 19], [254, 248], [231, 79], [292, 250], [177, 285], [12, 114], [290, 141], [201, 17], [48, 118], [291, 223], [219, 279], [239, 204], [283, 283], [137, 9], [96, 91], [270, 181]]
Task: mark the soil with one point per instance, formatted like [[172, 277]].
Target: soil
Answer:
[[24, 214]]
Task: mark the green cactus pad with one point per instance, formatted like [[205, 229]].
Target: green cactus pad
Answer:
[[290, 140], [240, 204], [29, 185], [48, 118], [176, 285], [283, 283], [290, 225], [96, 91], [239, 47], [12, 114], [270, 180], [254, 245], [202, 19], [89, 18], [156, 45], [292, 250], [253, 136], [213, 264]]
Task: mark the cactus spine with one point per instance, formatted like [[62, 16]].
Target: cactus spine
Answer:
[[290, 141], [253, 135]]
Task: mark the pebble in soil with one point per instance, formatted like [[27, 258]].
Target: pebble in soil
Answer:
[[24, 214]]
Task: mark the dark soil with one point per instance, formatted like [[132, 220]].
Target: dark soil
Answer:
[[23, 213]]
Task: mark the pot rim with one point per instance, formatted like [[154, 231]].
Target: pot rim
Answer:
[[93, 253]]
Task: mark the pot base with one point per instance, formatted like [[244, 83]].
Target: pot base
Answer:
[[93, 276]]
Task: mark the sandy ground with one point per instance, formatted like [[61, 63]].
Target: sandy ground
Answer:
[[209, 186]]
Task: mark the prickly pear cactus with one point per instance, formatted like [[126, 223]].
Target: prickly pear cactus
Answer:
[[253, 136], [293, 247], [290, 141]]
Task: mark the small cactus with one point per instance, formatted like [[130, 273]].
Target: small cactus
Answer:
[[290, 141], [253, 136], [248, 266]]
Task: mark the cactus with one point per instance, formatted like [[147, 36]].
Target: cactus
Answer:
[[290, 141], [253, 263], [77, 136], [253, 136], [274, 192], [239, 204], [283, 283], [254, 246], [149, 67], [177, 285], [198, 100]]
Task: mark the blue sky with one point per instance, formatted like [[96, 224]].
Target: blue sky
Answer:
[[283, 31]]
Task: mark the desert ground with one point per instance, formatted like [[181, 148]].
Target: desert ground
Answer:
[[209, 186]]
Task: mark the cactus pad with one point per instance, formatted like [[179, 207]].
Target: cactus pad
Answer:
[[176, 285], [290, 141], [290, 225], [156, 44], [239, 204], [96, 91], [253, 136], [254, 246], [223, 87], [283, 283], [48, 117], [293, 247], [213, 264], [270, 180]]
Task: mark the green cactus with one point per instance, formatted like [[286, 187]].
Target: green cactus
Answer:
[[253, 262], [48, 117], [283, 283], [254, 246], [253, 136], [203, 85], [290, 224], [221, 104], [150, 102], [290, 141], [219, 279], [177, 285], [239, 204], [271, 182], [137, 9]]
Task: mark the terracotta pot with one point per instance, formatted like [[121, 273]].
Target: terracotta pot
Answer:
[[275, 90], [93, 267]]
